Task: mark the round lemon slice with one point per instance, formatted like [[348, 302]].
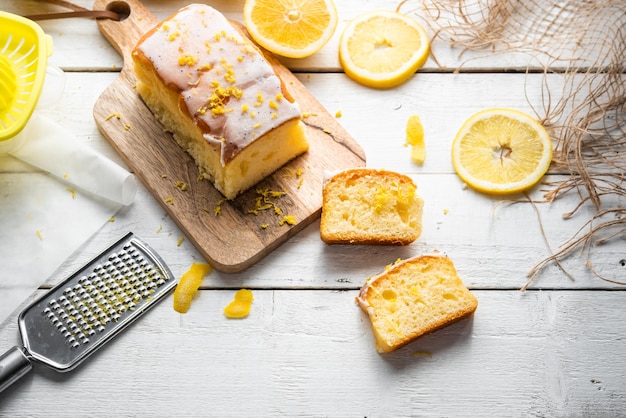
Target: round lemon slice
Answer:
[[291, 28], [383, 49], [501, 151]]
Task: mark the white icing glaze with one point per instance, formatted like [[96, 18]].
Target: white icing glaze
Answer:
[[229, 89]]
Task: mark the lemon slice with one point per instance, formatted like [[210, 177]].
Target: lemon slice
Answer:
[[383, 49], [291, 28], [501, 151]]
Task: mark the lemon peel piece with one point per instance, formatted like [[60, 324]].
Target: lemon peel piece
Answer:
[[188, 286], [240, 306]]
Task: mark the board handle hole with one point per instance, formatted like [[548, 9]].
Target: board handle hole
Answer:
[[121, 8]]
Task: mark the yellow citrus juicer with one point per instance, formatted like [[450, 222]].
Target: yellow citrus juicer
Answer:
[[24, 52], [30, 137]]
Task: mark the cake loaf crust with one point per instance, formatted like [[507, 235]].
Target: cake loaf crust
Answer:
[[220, 98]]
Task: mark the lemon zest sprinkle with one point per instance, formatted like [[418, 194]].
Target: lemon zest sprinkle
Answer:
[[263, 201], [287, 219], [217, 210], [188, 60], [181, 185]]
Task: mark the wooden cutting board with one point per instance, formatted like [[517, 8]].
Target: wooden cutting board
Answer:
[[234, 240]]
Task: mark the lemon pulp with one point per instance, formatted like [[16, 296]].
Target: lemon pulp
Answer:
[[415, 139]]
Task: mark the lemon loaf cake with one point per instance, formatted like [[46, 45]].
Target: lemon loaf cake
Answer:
[[222, 101], [412, 298], [368, 206]]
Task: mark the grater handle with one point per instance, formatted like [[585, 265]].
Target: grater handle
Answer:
[[13, 365]]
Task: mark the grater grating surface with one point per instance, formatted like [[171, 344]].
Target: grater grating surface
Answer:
[[94, 304]]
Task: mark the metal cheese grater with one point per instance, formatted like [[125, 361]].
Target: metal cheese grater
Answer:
[[89, 308]]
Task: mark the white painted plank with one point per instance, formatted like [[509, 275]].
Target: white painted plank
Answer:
[[310, 353], [79, 46], [493, 243], [493, 246], [375, 118], [306, 351]]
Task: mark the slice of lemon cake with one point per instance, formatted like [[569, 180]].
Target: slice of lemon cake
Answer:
[[222, 101], [412, 298], [368, 206]]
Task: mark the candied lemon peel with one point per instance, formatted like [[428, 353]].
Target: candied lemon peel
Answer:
[[415, 139], [188, 286], [240, 306]]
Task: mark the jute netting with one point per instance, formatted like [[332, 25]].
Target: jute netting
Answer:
[[581, 44]]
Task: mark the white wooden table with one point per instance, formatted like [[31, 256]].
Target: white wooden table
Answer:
[[306, 349]]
